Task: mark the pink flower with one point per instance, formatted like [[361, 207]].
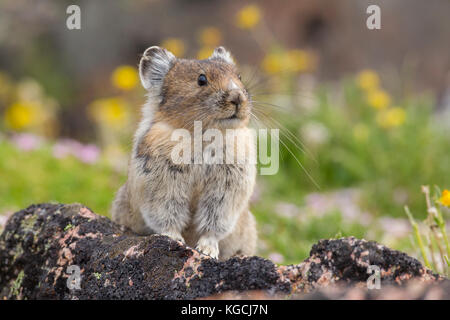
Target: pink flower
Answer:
[[88, 153], [276, 257], [395, 227], [62, 149], [27, 141], [287, 210], [85, 153]]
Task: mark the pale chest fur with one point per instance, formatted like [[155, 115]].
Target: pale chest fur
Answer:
[[234, 172]]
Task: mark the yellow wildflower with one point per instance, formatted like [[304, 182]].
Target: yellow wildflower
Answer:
[[378, 99], [368, 80], [110, 111], [296, 60], [21, 115], [445, 198], [248, 17], [393, 117], [300, 60], [273, 63], [361, 132], [204, 53], [125, 77], [174, 45], [210, 37]]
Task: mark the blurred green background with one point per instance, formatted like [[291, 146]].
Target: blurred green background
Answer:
[[364, 114]]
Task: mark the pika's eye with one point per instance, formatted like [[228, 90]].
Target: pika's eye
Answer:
[[239, 76], [202, 81]]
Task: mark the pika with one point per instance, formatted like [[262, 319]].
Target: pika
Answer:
[[201, 204]]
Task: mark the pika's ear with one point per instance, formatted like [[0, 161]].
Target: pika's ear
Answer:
[[154, 65], [223, 54]]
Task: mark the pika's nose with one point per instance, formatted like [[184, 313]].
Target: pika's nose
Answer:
[[235, 95]]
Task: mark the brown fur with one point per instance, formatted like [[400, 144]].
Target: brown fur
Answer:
[[204, 205]]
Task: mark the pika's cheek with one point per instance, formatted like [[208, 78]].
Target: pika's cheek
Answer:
[[244, 110]]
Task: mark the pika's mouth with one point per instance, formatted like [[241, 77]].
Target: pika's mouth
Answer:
[[233, 121], [234, 116]]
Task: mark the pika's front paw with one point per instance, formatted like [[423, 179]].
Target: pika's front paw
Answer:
[[174, 235], [209, 247]]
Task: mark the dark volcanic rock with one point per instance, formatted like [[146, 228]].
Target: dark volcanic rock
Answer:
[[39, 243]]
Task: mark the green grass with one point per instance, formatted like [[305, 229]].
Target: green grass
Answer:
[[293, 239], [36, 176], [391, 161]]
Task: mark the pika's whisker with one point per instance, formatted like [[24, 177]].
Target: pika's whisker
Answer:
[[289, 135], [300, 164]]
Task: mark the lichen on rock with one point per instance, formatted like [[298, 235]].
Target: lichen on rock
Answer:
[[39, 243]]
